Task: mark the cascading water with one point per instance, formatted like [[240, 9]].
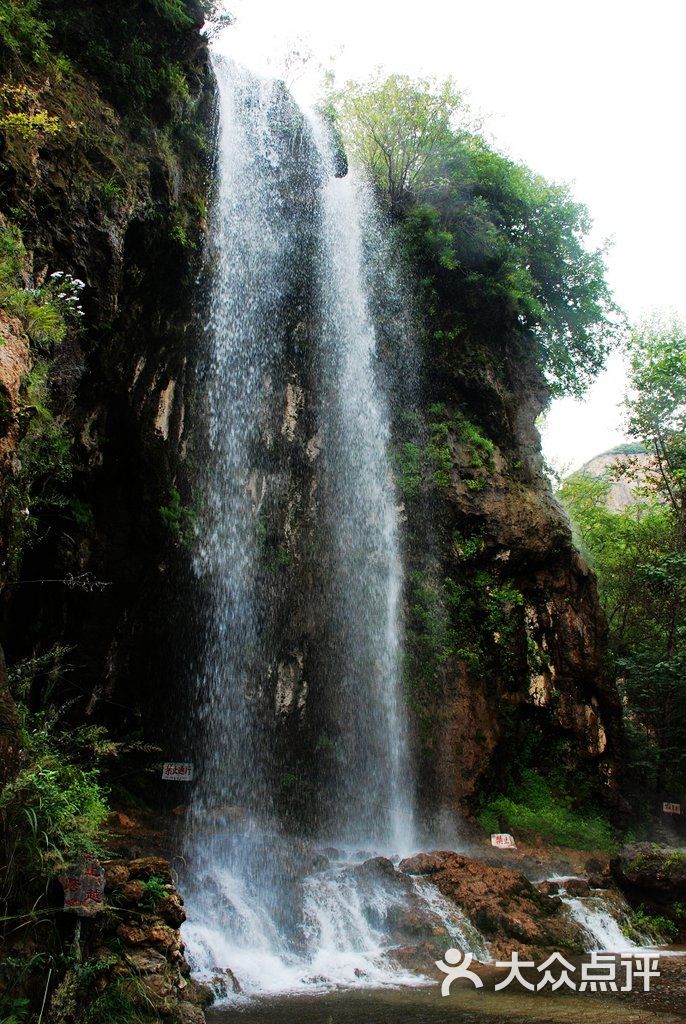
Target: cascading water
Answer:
[[370, 795], [260, 902], [251, 242], [603, 918]]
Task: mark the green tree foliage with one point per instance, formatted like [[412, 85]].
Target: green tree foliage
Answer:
[[498, 248], [23, 33], [657, 408], [134, 47], [639, 555], [396, 127]]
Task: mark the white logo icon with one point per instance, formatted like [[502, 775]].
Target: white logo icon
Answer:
[[457, 966]]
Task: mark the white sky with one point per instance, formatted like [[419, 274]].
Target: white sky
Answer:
[[591, 93]]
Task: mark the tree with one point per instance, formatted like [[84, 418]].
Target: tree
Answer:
[[502, 251], [395, 127], [657, 407], [639, 556]]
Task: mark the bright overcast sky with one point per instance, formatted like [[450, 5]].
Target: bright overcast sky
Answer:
[[590, 92]]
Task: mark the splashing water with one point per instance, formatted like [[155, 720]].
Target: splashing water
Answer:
[[601, 919], [351, 924]]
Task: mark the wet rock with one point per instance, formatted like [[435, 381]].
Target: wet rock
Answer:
[[511, 912], [145, 868], [576, 887], [116, 873], [420, 958], [599, 881], [147, 961], [163, 937], [171, 910], [131, 893], [188, 1013], [157, 989], [654, 877], [377, 866], [132, 935], [224, 982], [660, 870], [117, 818], [151, 967], [198, 994], [548, 888]]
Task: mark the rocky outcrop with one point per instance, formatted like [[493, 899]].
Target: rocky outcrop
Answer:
[[627, 472], [654, 878], [15, 363], [135, 953], [115, 196], [510, 912]]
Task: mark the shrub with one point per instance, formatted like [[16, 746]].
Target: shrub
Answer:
[[45, 455], [22, 33], [112, 190], [408, 469], [641, 926], [154, 892], [52, 811], [178, 519], [532, 807], [173, 11]]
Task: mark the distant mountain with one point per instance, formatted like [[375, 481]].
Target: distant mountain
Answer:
[[639, 463]]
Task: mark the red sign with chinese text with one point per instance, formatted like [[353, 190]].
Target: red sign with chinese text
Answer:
[[174, 771], [503, 841], [84, 888]]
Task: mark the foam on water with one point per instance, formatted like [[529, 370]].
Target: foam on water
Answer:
[[346, 938]]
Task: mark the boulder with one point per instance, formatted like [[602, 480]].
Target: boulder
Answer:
[[576, 887], [511, 912], [654, 877], [145, 868], [116, 874], [130, 894], [171, 910]]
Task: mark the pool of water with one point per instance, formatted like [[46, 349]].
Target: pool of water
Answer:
[[464, 1006]]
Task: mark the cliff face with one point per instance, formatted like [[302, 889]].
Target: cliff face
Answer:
[[104, 181], [506, 636]]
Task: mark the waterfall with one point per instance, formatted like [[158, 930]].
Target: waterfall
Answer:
[[287, 235], [602, 918], [250, 245], [370, 792]]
